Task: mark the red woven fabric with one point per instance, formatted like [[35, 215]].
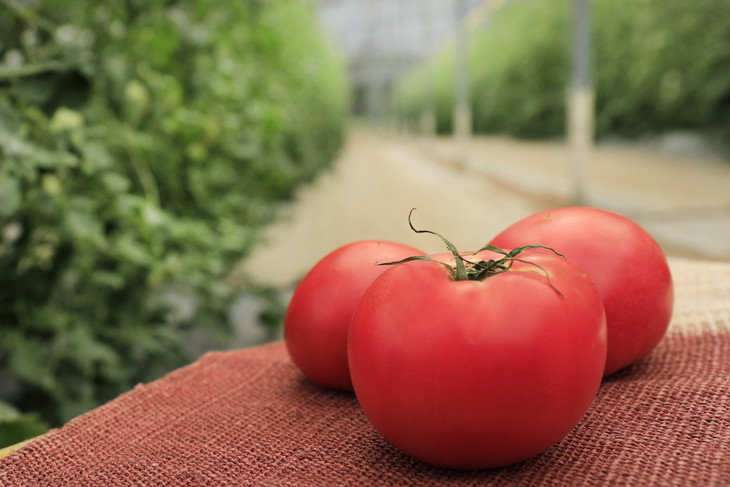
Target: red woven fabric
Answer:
[[249, 418]]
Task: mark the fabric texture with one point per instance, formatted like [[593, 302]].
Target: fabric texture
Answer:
[[248, 417]]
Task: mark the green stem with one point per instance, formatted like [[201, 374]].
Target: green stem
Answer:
[[10, 72], [460, 273], [478, 271]]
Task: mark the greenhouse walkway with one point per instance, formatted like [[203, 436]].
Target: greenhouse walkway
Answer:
[[469, 193]]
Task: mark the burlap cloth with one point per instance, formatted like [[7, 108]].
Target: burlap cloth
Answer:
[[249, 418]]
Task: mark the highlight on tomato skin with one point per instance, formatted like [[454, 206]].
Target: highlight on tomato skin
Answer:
[[627, 265], [318, 316], [475, 374]]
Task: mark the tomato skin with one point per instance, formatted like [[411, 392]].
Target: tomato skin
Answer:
[[477, 374], [319, 313], [627, 265]]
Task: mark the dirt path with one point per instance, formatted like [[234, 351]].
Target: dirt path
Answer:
[[470, 196], [368, 194]]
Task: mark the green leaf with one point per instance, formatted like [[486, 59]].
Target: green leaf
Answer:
[[9, 119], [82, 224], [15, 147], [8, 412], [16, 426], [28, 360], [10, 197], [87, 352]]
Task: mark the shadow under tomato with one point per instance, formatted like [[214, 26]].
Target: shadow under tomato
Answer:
[[628, 373]]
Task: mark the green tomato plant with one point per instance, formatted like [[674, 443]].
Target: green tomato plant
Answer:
[[143, 144]]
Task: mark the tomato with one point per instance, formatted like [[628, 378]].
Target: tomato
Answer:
[[478, 373], [318, 316], [626, 264]]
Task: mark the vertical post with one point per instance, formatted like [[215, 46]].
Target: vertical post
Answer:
[[462, 106], [389, 110], [370, 97], [381, 107], [428, 117], [580, 98], [374, 102]]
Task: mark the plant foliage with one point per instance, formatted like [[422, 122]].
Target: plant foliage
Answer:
[[16, 426], [142, 145], [658, 65]]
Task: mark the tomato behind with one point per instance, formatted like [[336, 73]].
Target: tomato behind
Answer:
[[625, 262], [318, 316]]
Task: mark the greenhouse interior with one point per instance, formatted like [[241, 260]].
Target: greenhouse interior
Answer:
[[181, 182]]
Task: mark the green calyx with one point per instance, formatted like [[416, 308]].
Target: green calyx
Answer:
[[468, 270]]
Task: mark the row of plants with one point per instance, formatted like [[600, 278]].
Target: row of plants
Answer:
[[143, 144], [658, 65]]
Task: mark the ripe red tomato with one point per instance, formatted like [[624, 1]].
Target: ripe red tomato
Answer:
[[626, 264], [318, 316], [478, 373]]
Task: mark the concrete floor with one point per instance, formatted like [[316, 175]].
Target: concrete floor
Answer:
[[470, 192]]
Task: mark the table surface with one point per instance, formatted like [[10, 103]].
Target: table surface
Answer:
[[248, 417]]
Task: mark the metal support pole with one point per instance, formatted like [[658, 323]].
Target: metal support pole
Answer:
[[428, 117], [580, 98], [462, 105]]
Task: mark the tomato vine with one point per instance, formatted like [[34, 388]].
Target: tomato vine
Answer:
[[469, 270]]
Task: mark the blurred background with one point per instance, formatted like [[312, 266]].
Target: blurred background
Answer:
[[169, 169]]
